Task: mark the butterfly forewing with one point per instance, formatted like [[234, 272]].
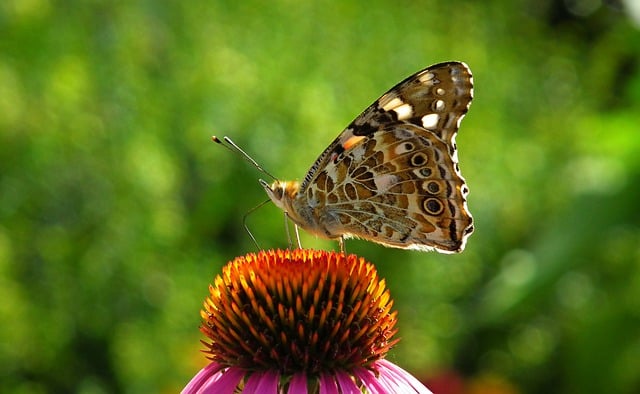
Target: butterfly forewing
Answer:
[[442, 93], [392, 175]]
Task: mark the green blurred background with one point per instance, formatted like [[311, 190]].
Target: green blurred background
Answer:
[[116, 210]]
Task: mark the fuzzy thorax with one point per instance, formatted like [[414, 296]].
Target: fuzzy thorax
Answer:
[[309, 215]]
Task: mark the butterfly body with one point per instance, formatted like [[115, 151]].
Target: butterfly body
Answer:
[[392, 175]]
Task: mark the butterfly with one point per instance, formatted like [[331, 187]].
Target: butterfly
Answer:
[[392, 176]]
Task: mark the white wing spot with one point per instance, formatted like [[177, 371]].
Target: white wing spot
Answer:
[[357, 153], [395, 102], [439, 105], [384, 182], [404, 111], [430, 121], [404, 148], [440, 92], [426, 77]]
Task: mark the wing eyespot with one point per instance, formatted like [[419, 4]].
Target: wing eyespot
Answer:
[[419, 159], [432, 187], [432, 206]]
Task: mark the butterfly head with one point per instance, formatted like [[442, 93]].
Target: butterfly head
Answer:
[[281, 193]]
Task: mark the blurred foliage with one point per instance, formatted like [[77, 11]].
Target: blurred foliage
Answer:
[[116, 211]]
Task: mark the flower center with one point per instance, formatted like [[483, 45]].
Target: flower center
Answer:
[[298, 311]]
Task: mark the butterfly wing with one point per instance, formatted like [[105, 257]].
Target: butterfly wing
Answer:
[[392, 175]]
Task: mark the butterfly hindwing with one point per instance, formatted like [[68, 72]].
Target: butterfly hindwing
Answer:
[[398, 189]]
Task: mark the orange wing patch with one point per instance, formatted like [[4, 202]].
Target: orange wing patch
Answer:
[[348, 144]]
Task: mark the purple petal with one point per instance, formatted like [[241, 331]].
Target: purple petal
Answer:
[[227, 382], [347, 385], [371, 382], [267, 384], [399, 374], [201, 377], [252, 383], [298, 384], [328, 384], [395, 384], [214, 379]]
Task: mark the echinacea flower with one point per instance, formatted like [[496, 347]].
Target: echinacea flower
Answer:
[[297, 322]]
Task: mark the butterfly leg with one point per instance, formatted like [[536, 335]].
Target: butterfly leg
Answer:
[[341, 240], [286, 228], [295, 227]]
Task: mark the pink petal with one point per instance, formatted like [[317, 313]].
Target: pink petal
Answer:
[[263, 382], [395, 385], [266, 383], [298, 384], [227, 382], [252, 383], [201, 377], [221, 382], [399, 374], [346, 384], [328, 384], [371, 382]]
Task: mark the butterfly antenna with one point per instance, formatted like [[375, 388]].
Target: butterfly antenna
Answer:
[[244, 221], [237, 150]]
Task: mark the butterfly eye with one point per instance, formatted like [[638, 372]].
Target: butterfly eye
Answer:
[[278, 191]]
